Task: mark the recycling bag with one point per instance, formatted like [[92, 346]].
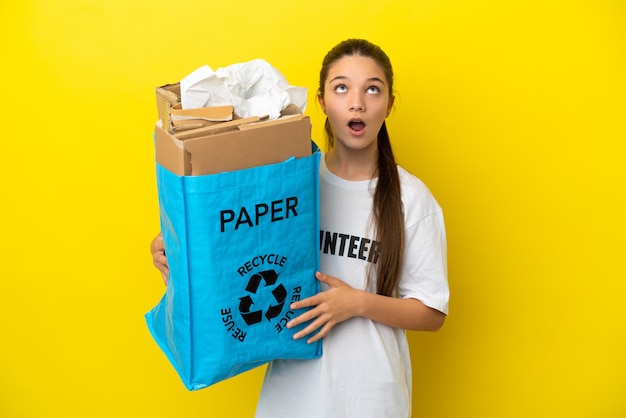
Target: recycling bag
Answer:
[[241, 246]]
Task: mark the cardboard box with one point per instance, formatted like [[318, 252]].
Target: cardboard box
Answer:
[[223, 142], [237, 147]]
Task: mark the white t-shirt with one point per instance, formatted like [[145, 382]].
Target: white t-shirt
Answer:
[[365, 368]]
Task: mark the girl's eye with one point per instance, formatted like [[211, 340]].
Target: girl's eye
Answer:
[[341, 88], [373, 90]]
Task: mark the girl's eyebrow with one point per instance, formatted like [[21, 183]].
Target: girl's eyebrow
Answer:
[[343, 77], [339, 77], [376, 79]]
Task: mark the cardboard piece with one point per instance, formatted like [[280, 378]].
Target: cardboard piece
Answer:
[[184, 119], [217, 128], [215, 114], [257, 144], [166, 97], [175, 118]]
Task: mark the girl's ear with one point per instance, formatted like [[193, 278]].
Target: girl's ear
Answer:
[[320, 100], [390, 105]]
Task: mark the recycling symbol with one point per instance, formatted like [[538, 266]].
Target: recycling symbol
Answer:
[[245, 303]]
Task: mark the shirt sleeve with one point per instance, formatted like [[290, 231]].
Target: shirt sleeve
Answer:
[[424, 274]]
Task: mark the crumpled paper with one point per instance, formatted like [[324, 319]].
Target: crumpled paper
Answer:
[[253, 88]]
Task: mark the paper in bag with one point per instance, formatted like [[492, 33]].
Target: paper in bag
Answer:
[[253, 88]]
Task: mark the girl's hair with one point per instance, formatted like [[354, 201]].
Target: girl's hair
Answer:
[[388, 216]]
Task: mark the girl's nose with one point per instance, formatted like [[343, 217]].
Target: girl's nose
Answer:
[[357, 103]]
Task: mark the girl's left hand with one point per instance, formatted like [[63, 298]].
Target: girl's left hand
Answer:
[[330, 307]]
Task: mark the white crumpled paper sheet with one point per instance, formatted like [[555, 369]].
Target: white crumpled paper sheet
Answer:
[[253, 88]]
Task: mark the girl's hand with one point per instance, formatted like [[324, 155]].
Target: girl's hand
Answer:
[[331, 307], [157, 248]]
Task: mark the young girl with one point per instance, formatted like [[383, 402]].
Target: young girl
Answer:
[[383, 258]]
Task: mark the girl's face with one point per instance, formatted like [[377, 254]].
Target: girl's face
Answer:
[[357, 101]]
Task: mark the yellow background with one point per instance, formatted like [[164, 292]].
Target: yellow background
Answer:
[[513, 112]]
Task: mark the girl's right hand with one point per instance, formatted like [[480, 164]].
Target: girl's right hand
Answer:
[[157, 248]]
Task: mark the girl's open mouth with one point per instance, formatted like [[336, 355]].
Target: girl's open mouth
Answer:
[[356, 125]]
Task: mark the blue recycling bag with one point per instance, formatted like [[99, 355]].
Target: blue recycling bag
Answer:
[[241, 246]]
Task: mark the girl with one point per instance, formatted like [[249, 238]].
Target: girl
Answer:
[[383, 258]]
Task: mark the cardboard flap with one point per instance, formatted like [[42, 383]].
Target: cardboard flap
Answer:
[[216, 113], [170, 153], [260, 124], [169, 93], [182, 125], [214, 129], [250, 148]]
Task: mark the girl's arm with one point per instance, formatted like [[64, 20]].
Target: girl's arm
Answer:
[[342, 302]]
